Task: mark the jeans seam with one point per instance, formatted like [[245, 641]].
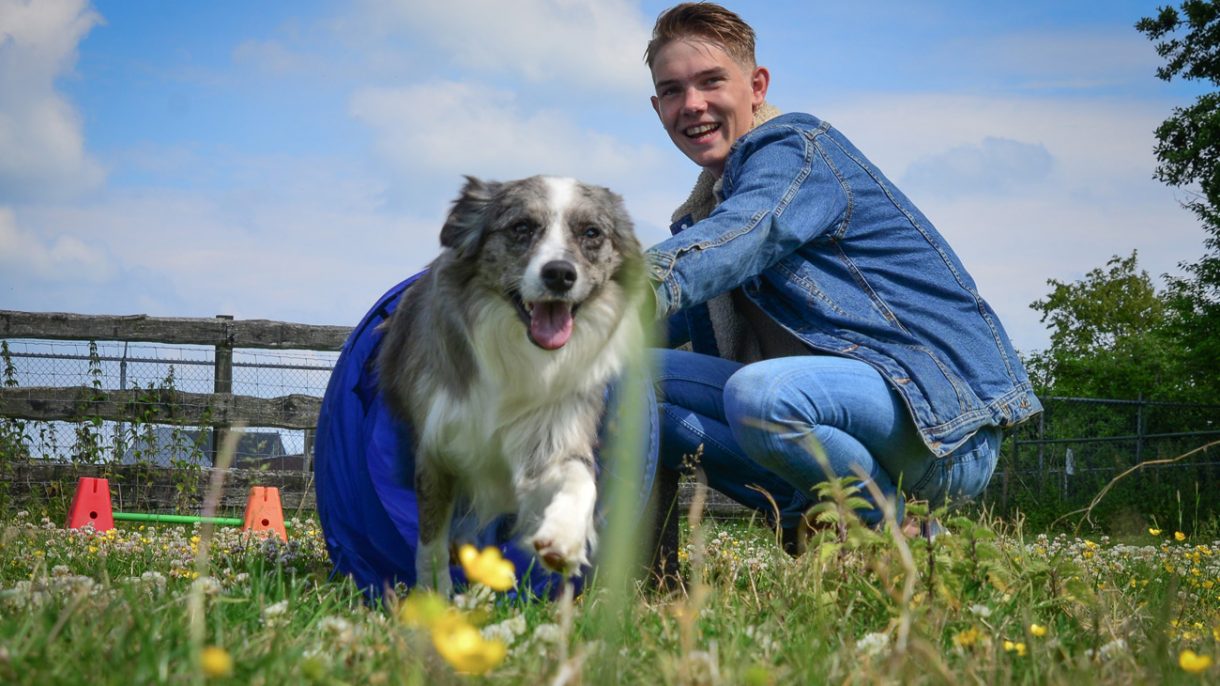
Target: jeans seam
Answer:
[[703, 437]]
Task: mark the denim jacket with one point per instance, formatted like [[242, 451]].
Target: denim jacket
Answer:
[[825, 245]]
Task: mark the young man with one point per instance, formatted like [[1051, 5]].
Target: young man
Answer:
[[824, 312]]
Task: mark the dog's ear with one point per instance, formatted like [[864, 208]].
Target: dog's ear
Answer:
[[622, 232], [623, 229], [467, 222]]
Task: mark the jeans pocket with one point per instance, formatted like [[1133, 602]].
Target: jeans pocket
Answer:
[[963, 474]]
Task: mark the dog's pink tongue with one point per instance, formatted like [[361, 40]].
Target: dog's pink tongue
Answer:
[[551, 324]]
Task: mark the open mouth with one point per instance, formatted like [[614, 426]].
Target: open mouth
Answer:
[[700, 130], [548, 322]]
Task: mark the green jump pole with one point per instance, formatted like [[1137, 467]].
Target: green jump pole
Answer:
[[177, 519]]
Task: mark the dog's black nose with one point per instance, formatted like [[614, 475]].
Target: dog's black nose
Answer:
[[559, 275]]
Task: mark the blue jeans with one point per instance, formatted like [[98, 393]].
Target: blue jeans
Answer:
[[758, 423]]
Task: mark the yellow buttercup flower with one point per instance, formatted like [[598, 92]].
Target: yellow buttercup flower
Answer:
[[464, 647], [1018, 647], [1179, 536], [487, 567], [1037, 630], [1155, 532], [422, 609], [216, 662], [967, 637], [1195, 664]]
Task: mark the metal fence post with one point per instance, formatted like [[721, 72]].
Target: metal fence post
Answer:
[[223, 383], [1139, 429], [1041, 453], [1016, 453]]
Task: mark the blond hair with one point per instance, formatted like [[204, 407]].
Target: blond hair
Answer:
[[705, 21]]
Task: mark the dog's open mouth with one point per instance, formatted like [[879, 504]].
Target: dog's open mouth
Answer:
[[549, 322]]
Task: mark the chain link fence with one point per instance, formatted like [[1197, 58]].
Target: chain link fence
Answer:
[[156, 367]]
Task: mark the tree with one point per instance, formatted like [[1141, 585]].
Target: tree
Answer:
[[1107, 336], [1188, 153]]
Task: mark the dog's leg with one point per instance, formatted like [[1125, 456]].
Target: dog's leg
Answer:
[[434, 492], [566, 532]]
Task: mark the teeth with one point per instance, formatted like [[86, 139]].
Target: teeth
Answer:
[[701, 129]]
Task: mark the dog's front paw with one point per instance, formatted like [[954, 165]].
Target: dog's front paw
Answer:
[[432, 570], [559, 550]]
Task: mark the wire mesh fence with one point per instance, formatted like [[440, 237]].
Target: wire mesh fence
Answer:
[[156, 368], [1061, 461]]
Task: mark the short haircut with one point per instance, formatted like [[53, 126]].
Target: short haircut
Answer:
[[704, 21]]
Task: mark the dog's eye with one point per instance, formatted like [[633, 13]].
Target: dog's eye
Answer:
[[592, 232], [522, 229]]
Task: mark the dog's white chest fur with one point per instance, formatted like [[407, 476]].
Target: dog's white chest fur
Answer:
[[523, 402]]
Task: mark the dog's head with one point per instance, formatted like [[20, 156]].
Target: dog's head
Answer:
[[547, 245]]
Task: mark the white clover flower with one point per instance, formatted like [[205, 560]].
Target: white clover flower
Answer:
[[476, 597], [275, 613], [209, 585], [1116, 647], [548, 633], [74, 585], [873, 644], [507, 630], [337, 628], [981, 611]]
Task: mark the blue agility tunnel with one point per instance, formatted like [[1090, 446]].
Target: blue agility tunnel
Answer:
[[363, 468]]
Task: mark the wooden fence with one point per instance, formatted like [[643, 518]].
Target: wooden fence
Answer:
[[154, 488], [220, 410]]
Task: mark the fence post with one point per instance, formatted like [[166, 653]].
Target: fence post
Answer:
[[1016, 453], [1041, 453], [307, 457], [1139, 429], [222, 383]]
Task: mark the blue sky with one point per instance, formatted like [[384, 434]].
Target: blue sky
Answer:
[[293, 161]]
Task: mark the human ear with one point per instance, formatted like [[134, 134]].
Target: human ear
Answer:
[[760, 80], [656, 106]]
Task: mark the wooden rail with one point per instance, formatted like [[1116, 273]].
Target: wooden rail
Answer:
[[221, 331], [158, 406]]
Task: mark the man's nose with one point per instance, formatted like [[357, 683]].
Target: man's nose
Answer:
[[693, 101]]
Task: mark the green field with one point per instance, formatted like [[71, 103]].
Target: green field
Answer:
[[987, 604]]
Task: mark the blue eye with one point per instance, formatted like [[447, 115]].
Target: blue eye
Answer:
[[592, 232]]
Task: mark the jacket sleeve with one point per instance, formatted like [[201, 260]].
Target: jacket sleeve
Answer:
[[780, 193]]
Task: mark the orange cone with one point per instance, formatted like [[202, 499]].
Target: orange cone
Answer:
[[91, 505], [263, 511]]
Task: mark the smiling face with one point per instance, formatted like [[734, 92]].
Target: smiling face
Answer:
[[705, 99]]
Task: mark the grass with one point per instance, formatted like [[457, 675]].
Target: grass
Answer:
[[989, 604]]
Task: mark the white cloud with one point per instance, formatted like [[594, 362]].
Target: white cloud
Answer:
[[593, 44], [996, 165], [1097, 200], [462, 128], [25, 255], [42, 147], [296, 239]]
